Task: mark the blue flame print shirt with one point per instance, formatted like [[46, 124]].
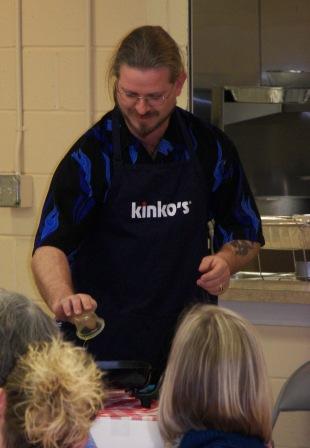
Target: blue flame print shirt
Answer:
[[83, 179]]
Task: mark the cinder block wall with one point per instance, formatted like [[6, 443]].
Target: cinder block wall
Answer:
[[54, 81]]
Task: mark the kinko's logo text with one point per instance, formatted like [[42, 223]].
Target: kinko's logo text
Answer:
[[160, 210]]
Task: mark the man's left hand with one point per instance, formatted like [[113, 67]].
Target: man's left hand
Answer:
[[215, 274]]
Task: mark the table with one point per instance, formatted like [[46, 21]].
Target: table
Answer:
[[123, 422]]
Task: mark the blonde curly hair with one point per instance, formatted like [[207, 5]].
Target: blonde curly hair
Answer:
[[53, 395]]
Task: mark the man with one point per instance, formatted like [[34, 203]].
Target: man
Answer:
[[125, 224]]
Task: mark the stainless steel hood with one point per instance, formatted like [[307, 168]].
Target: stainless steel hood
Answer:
[[250, 76], [278, 87]]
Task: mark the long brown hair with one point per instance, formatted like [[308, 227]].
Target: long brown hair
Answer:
[[216, 377], [147, 47]]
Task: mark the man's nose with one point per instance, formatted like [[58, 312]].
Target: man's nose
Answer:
[[142, 106]]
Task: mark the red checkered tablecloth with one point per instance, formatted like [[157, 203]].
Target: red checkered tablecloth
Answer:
[[122, 405]]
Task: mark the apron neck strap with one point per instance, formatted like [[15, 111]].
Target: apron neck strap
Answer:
[[185, 132], [116, 138]]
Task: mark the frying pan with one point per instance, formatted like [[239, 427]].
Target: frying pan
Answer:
[[127, 375], [133, 376]]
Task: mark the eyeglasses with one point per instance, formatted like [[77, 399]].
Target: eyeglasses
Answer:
[[153, 99]]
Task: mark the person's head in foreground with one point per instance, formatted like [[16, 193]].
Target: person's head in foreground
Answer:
[[50, 398], [216, 380], [21, 322]]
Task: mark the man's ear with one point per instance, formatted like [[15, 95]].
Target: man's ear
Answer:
[[180, 82], [2, 403]]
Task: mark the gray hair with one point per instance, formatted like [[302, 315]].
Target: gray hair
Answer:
[[21, 323]]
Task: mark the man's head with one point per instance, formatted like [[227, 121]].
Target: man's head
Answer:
[[148, 74]]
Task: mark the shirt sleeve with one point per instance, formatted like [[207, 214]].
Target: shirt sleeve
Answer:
[[74, 194], [232, 204]]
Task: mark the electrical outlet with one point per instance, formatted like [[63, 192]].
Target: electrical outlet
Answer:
[[15, 190]]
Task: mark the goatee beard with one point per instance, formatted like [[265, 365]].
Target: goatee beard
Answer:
[[143, 130]]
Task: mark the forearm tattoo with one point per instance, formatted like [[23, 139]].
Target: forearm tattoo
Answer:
[[241, 247]]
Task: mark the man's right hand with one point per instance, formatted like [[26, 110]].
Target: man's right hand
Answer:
[[75, 304], [53, 277]]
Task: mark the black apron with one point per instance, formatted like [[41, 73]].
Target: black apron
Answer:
[[141, 260]]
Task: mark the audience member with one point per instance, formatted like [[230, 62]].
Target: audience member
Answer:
[[21, 322], [51, 397], [215, 392], [50, 390]]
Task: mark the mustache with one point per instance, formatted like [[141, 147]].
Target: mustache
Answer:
[[147, 115]]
